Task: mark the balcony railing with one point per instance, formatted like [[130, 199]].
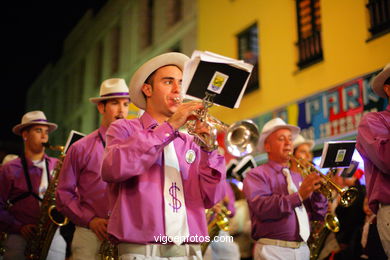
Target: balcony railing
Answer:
[[310, 50], [379, 16]]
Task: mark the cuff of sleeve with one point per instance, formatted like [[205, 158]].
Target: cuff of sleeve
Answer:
[[88, 218], [318, 197], [296, 199], [165, 132]]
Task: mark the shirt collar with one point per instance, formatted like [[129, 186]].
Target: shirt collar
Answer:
[[276, 166], [102, 130], [147, 121]]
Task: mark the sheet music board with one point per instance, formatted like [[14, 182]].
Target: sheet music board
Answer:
[[337, 154], [224, 77], [245, 165], [73, 137], [350, 171]]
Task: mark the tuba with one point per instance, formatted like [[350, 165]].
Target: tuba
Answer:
[[348, 195], [241, 138], [217, 221], [50, 219]]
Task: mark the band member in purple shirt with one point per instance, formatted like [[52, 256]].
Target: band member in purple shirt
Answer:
[[23, 183], [162, 180], [279, 210], [373, 144], [81, 192]]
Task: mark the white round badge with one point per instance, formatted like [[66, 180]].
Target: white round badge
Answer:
[[190, 156]]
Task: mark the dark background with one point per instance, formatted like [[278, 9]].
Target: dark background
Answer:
[[32, 37]]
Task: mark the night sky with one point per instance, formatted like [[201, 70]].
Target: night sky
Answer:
[[32, 37]]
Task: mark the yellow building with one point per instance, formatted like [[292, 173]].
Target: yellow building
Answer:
[[315, 59]]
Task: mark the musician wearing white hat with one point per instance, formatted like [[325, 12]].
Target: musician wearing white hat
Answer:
[[302, 149], [280, 199], [23, 183], [162, 179], [373, 144], [81, 193]]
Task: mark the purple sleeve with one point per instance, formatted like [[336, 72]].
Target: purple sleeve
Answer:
[[8, 222], [130, 151], [373, 141], [263, 202], [212, 176], [232, 200], [316, 206], [67, 198]]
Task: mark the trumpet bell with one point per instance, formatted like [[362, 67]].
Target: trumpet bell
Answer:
[[348, 196], [241, 138]]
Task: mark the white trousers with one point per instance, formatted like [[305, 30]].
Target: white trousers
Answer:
[[15, 246], [152, 254], [383, 224], [85, 244], [270, 252]]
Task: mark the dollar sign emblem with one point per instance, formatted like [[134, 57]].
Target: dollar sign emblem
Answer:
[[176, 203]]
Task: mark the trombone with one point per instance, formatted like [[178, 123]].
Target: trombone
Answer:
[[347, 195]]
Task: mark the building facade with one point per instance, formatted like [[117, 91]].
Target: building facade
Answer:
[[313, 59], [111, 43]]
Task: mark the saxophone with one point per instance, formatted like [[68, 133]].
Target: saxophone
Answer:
[[108, 250], [321, 230], [50, 219], [217, 221]]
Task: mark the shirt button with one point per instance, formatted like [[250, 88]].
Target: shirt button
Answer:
[[167, 134]]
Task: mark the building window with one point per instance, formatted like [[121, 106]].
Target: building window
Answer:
[[379, 11], [80, 85], [115, 49], [309, 32], [174, 11], [248, 50], [99, 64], [147, 19]]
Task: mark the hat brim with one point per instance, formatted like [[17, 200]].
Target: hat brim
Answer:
[[18, 128], [140, 76], [294, 131], [96, 100], [379, 81], [309, 142]]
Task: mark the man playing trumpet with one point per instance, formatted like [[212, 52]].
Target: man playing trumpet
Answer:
[[281, 201], [161, 180]]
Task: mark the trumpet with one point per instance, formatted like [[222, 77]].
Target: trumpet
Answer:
[[347, 195], [241, 138]]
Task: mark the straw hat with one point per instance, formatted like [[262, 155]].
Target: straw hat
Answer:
[[301, 140], [33, 118], [273, 125], [112, 88], [143, 72], [379, 81]]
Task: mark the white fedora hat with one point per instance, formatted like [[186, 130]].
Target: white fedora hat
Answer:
[[143, 72], [301, 140], [112, 88], [379, 81], [273, 125], [33, 118]]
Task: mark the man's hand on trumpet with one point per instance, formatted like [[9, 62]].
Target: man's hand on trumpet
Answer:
[[310, 183], [184, 112]]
